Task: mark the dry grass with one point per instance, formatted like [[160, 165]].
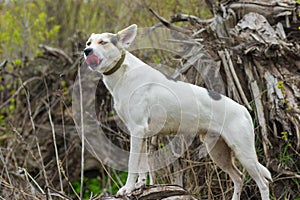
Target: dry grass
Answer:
[[41, 154]]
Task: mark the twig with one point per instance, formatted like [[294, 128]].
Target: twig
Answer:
[[5, 137], [53, 135], [191, 19], [208, 179], [27, 94], [230, 84], [168, 24], [56, 52], [285, 172], [3, 64], [190, 164], [70, 184], [260, 111], [43, 167], [103, 125], [82, 133], [58, 194], [117, 176], [92, 147], [102, 164], [64, 136], [236, 80], [19, 90], [210, 5], [198, 32], [188, 64], [28, 147], [23, 170], [17, 190], [5, 168], [193, 42], [219, 181]]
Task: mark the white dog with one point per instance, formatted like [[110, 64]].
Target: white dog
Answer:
[[149, 103]]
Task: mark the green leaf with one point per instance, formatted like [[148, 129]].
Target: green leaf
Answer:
[[18, 62]]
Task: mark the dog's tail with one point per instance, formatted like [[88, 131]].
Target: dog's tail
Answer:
[[265, 172]]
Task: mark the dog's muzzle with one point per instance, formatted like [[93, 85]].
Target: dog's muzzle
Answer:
[[91, 59], [88, 51]]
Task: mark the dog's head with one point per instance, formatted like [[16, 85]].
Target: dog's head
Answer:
[[104, 50]]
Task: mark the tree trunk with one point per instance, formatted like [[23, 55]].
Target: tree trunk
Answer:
[[163, 192]]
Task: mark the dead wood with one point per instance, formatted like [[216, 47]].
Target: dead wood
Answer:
[[3, 64], [257, 43], [60, 54], [163, 192], [168, 24]]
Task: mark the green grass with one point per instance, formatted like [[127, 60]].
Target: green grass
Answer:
[[285, 157], [93, 186]]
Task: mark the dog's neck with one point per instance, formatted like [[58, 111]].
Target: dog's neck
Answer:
[[116, 67], [130, 62]]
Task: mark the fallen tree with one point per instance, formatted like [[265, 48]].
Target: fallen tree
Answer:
[[163, 192]]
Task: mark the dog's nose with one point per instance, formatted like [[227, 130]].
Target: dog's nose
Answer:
[[88, 51]]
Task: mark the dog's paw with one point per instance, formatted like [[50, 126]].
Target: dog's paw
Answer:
[[140, 184], [125, 190]]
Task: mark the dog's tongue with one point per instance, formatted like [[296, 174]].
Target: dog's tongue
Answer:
[[92, 59]]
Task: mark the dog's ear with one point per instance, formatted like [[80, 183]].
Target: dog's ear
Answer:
[[127, 35]]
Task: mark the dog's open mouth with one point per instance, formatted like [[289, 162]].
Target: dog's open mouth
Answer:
[[93, 61]]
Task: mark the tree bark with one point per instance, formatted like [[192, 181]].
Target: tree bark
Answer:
[[163, 192]]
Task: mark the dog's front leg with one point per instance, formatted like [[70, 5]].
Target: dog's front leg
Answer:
[[143, 166], [137, 164]]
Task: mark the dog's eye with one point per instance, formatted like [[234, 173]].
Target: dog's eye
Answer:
[[102, 42], [88, 43]]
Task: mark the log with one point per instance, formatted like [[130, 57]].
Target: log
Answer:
[[273, 10], [163, 192], [57, 53]]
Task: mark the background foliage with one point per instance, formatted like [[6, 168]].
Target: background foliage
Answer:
[[25, 24], [35, 100]]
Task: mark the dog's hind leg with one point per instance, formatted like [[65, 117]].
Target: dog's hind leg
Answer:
[[258, 172], [221, 154], [244, 150]]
